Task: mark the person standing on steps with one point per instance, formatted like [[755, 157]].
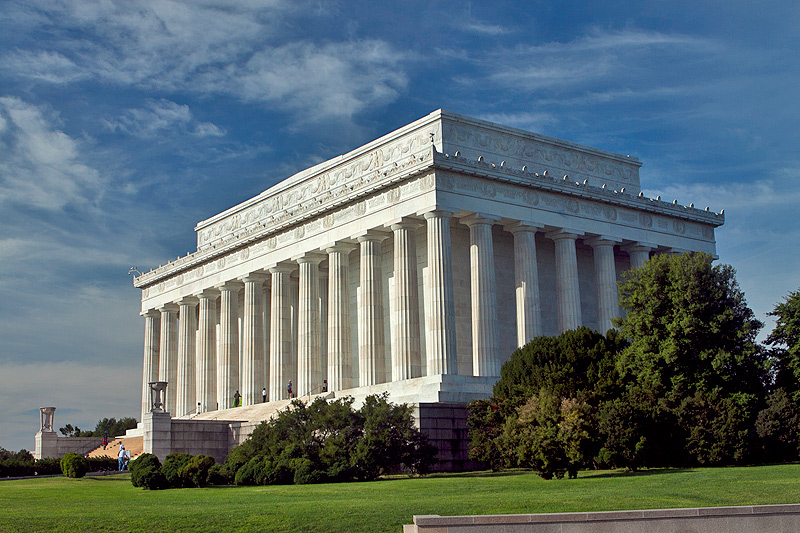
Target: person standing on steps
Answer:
[[289, 392], [105, 440], [236, 398], [264, 395]]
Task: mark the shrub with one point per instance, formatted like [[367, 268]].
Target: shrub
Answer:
[[172, 468], [219, 474], [142, 466], [74, 465], [48, 466], [195, 471]]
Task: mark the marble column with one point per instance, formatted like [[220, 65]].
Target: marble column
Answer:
[[526, 282], [483, 295], [280, 335], [228, 360], [309, 356], [406, 359], [567, 288], [372, 366], [206, 370], [187, 336], [152, 336], [168, 355], [266, 301], [340, 367], [606, 281], [323, 324], [639, 253], [253, 378], [440, 324]]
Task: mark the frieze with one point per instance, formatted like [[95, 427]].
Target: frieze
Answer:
[[290, 236], [549, 156], [340, 181]]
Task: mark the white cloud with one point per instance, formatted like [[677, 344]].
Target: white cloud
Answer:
[[159, 117], [215, 48], [40, 165]]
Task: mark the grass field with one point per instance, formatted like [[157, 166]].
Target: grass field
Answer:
[[111, 504]]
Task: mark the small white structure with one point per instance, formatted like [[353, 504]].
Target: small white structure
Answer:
[[414, 264]]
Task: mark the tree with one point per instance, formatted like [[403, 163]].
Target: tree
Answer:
[[544, 407], [320, 441], [785, 337], [692, 359]]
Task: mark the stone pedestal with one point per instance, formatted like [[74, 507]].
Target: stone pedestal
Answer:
[[157, 434]]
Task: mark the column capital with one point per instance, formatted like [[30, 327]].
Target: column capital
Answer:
[[639, 247], [282, 268], [309, 257], [603, 240], [563, 233], [371, 235], [257, 276], [440, 212], [403, 223], [169, 307], [479, 218], [523, 226], [150, 313], [340, 247], [188, 300], [230, 285], [208, 294]]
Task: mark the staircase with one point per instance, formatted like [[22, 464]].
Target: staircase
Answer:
[[132, 444]]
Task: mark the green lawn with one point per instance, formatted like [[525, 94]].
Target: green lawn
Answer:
[[112, 504]]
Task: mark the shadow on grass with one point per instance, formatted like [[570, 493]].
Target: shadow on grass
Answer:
[[587, 474], [583, 474]]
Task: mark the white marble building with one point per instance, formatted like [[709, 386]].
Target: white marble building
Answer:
[[415, 264]]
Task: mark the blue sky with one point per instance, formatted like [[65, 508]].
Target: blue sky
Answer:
[[123, 123]]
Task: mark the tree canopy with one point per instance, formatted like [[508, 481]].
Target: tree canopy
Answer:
[[681, 382]]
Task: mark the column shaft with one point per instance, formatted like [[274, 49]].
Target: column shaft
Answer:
[[206, 371], [168, 355], [280, 333], [228, 361], [606, 281], [372, 366], [309, 371], [152, 331], [639, 253], [483, 290], [526, 282], [406, 359], [187, 335], [569, 296], [253, 379], [440, 324], [340, 367]]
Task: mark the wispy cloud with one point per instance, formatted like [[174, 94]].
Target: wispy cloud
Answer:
[[214, 48], [159, 117], [41, 166]]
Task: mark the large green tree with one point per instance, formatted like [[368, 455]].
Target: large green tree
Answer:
[[693, 367], [785, 337]]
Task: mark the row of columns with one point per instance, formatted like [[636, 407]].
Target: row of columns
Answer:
[[206, 379]]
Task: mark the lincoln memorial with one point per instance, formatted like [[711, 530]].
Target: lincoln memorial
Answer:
[[415, 265]]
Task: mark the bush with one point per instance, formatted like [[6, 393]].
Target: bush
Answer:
[[99, 464], [219, 475], [172, 468], [74, 465], [321, 442], [146, 472], [48, 466], [194, 472]]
